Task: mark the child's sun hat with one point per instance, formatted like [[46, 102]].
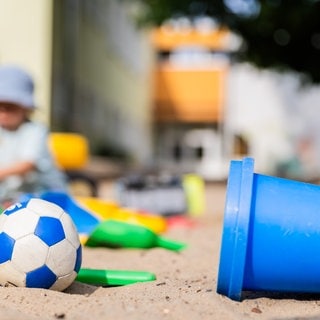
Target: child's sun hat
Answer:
[[16, 86]]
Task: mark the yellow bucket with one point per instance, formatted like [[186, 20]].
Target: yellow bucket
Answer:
[[70, 150]]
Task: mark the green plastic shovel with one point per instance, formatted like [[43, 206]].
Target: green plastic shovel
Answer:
[[118, 234], [103, 277]]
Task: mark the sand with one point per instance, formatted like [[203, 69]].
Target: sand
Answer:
[[185, 287]]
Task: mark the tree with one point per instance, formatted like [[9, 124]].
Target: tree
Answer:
[[279, 34]]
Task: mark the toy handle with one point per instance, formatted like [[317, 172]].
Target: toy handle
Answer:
[[170, 244], [113, 277]]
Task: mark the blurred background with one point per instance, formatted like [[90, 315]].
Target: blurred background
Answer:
[[183, 86]]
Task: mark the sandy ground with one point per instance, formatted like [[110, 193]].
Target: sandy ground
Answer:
[[185, 287]]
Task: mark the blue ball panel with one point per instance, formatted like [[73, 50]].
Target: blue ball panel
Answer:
[[42, 277], [15, 207], [78, 260], [7, 244], [50, 230]]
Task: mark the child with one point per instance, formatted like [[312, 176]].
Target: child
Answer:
[[26, 165]]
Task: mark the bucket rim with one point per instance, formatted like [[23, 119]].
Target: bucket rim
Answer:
[[235, 228]]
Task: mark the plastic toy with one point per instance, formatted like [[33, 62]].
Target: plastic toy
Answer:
[[271, 234], [181, 221], [109, 209], [161, 194], [59, 144], [103, 277], [94, 231], [73, 160], [164, 194], [40, 247], [119, 234], [194, 188]]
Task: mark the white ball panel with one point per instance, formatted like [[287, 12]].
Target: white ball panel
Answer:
[[29, 253], [20, 223], [61, 258], [64, 282], [10, 275], [45, 208], [70, 230], [3, 219]]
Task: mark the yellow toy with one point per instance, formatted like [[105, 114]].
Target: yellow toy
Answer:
[[111, 210]]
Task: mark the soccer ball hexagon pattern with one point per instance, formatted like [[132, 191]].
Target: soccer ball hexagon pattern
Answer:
[[40, 246]]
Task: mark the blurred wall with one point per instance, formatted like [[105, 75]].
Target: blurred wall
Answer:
[[101, 76], [25, 39], [257, 112]]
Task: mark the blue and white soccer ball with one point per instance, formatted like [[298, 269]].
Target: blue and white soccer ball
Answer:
[[39, 246]]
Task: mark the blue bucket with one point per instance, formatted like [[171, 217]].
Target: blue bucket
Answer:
[[271, 234]]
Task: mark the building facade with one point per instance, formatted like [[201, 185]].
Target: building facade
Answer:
[[91, 66]]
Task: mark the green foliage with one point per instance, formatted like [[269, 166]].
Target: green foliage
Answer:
[[282, 34]]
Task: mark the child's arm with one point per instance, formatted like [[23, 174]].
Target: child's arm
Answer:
[[20, 168]]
